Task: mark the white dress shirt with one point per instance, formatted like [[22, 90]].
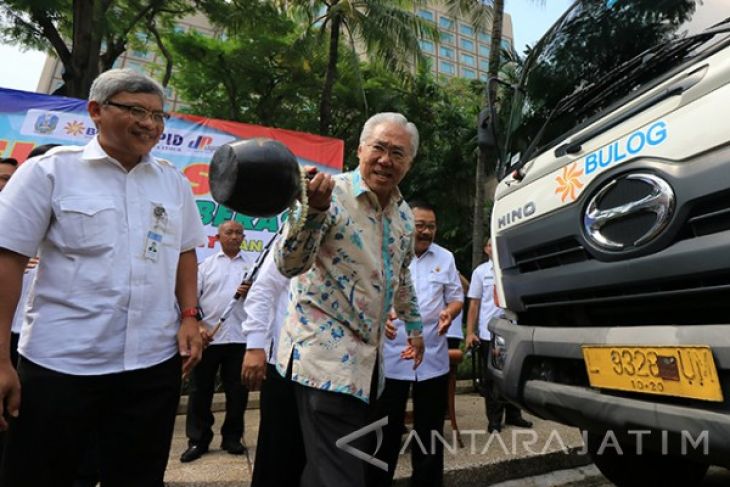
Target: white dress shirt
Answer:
[[437, 284], [218, 279], [482, 288], [266, 306], [456, 330], [101, 304], [28, 277]]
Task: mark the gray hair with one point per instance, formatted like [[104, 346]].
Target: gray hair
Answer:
[[390, 117], [111, 82]]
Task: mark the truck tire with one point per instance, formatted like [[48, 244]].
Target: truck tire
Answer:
[[645, 470]]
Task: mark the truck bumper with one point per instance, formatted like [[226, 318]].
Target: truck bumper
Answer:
[[601, 411]]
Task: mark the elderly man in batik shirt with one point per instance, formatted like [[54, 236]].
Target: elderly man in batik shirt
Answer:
[[351, 261]]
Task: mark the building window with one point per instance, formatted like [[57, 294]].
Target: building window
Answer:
[[484, 37], [426, 14], [468, 73], [446, 52], [468, 59], [483, 76], [447, 38], [427, 46], [446, 23], [506, 44], [483, 50], [467, 44], [447, 68], [466, 30], [484, 64]]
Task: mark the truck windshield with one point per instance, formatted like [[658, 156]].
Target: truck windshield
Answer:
[[597, 56]]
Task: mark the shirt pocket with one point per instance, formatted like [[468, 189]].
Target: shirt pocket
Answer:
[[88, 224]]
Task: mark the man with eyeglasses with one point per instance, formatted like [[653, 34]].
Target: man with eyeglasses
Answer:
[[111, 323], [349, 264], [440, 299], [219, 277]]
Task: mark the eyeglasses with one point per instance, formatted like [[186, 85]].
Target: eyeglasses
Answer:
[[420, 226], [140, 114], [396, 154]]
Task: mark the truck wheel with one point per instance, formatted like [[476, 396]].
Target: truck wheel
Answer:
[[645, 470]]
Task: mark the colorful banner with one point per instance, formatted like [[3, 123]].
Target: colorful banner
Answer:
[[30, 119]]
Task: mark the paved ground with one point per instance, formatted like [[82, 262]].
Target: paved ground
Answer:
[[484, 459]]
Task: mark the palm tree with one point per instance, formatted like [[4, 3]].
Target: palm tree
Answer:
[[387, 30]]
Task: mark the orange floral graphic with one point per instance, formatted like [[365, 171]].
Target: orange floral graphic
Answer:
[[74, 128], [569, 183]]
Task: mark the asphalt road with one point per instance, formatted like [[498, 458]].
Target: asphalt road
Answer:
[[589, 476]]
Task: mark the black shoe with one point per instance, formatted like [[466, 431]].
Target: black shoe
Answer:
[[234, 447], [491, 428], [193, 453], [520, 422]]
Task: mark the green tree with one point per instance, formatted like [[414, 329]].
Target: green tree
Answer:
[[86, 35], [387, 30]]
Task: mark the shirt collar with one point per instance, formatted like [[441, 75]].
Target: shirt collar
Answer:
[[428, 251], [93, 151], [360, 187], [220, 254]]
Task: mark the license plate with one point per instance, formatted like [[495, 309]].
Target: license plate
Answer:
[[669, 371]]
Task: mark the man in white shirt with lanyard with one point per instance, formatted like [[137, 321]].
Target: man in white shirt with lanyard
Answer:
[[280, 455], [483, 307], [440, 299], [110, 326], [220, 276]]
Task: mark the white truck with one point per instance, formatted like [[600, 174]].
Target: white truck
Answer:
[[611, 231]]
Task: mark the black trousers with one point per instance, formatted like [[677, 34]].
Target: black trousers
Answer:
[[14, 339], [326, 417], [132, 415], [199, 422], [430, 399], [498, 410], [280, 457]]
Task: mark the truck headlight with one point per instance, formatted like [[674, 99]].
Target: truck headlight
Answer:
[[499, 352]]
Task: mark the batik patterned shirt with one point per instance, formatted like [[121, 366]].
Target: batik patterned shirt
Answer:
[[351, 267]]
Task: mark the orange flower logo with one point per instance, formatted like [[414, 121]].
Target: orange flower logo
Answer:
[[569, 183], [74, 128]]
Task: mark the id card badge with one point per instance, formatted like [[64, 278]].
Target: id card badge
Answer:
[[153, 240], [152, 246]]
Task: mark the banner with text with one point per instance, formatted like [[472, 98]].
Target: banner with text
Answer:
[[30, 119]]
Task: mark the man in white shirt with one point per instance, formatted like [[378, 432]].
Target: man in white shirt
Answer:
[[220, 276], [440, 299], [482, 308], [280, 455], [110, 326]]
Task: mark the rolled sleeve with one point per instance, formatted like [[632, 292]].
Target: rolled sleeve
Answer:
[[194, 233], [26, 209], [406, 302], [475, 286]]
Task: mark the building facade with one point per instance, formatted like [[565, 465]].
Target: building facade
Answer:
[[462, 51]]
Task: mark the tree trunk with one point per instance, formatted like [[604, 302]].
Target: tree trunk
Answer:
[[325, 103], [483, 168]]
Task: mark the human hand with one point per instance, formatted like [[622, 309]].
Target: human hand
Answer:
[[390, 331], [243, 289], [190, 344], [9, 392], [253, 372], [472, 340], [444, 322], [319, 191], [205, 334], [414, 351], [32, 263]]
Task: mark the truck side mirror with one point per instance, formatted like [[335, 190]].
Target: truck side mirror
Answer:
[[486, 138]]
